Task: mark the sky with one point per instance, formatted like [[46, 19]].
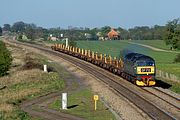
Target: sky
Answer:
[[89, 13]]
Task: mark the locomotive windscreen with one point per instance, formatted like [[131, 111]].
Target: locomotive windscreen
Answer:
[[145, 63]]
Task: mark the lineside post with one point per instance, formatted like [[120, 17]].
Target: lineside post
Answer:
[[96, 98], [64, 101]]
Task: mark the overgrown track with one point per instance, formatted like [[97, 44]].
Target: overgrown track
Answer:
[[115, 82]]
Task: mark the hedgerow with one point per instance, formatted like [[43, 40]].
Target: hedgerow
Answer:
[[177, 59], [5, 59]]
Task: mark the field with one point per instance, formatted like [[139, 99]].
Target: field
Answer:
[[164, 60]]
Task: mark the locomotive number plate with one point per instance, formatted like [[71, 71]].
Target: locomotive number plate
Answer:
[[145, 69]]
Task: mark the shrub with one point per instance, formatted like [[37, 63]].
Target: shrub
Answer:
[[177, 59], [72, 43], [5, 59]]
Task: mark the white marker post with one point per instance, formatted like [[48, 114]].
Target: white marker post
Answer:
[[64, 101], [45, 68]]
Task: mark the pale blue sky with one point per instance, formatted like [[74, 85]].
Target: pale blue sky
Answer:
[[89, 13]]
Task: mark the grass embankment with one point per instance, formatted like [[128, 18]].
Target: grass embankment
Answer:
[[26, 80], [82, 104]]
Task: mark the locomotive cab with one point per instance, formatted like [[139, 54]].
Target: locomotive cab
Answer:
[[145, 72]]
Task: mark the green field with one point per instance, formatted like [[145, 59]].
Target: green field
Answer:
[[82, 104], [164, 60]]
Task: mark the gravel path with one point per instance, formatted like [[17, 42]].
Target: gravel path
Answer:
[[153, 48]]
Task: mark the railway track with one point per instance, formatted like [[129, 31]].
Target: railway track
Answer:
[[175, 98], [169, 99], [121, 87]]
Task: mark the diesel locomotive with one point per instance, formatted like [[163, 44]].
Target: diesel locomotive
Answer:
[[134, 67], [138, 68]]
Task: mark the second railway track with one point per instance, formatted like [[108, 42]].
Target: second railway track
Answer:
[[123, 88]]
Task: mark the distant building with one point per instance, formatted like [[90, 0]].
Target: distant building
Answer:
[[100, 36], [52, 38], [88, 36], [113, 35]]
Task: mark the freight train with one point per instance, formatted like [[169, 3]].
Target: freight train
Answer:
[[134, 67]]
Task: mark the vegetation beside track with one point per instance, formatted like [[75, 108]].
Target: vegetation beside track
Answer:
[[82, 104], [5, 59], [26, 80]]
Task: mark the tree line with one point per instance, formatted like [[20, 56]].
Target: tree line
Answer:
[[136, 33], [170, 32]]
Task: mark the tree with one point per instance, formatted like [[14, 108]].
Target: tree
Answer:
[[7, 27], [0, 31], [158, 32], [176, 37], [18, 27], [124, 34], [30, 32], [72, 43], [172, 33], [105, 30], [5, 59], [177, 59]]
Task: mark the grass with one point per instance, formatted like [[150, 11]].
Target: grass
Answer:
[[26, 82], [84, 106], [23, 83], [40, 83], [164, 60], [175, 86], [154, 43]]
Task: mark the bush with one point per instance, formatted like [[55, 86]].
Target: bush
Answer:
[[5, 59], [72, 43], [177, 59], [178, 45]]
